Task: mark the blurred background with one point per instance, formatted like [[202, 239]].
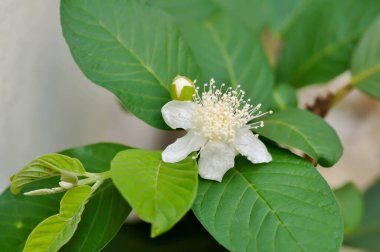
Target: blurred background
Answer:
[[47, 104]]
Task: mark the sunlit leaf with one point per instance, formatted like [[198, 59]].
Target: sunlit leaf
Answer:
[[101, 219], [45, 167], [52, 233], [160, 193]]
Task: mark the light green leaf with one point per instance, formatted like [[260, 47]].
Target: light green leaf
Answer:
[[55, 231], [365, 64], [351, 203], [284, 205], [130, 49], [305, 131], [284, 97], [160, 193], [368, 233], [101, 219], [107, 210], [228, 51], [47, 166], [320, 40]]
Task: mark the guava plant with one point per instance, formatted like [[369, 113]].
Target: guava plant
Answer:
[[227, 73]]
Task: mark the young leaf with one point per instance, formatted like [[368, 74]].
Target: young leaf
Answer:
[[284, 97], [368, 233], [365, 64], [101, 219], [284, 205], [305, 131], [107, 210], [129, 48], [47, 166], [227, 50], [351, 204], [160, 193], [320, 40], [55, 231]]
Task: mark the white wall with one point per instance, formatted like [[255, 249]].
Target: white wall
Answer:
[[46, 103]]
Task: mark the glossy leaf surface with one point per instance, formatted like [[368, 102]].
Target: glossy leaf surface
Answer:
[[160, 193], [284, 205]]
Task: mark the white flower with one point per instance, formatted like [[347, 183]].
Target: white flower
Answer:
[[217, 124]]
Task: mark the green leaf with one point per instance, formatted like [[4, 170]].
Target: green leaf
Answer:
[[19, 214], [101, 219], [192, 10], [228, 51], [365, 64], [320, 40], [255, 14], [284, 205], [284, 97], [160, 193], [305, 131], [188, 235], [130, 49], [258, 14], [107, 210], [351, 203], [55, 231], [47, 166], [368, 233]]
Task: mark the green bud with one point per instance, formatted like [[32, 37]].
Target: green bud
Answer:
[[182, 88]]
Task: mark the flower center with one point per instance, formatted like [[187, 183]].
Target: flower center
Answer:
[[220, 114]]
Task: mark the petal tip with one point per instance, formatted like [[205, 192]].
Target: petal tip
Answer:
[[213, 178]]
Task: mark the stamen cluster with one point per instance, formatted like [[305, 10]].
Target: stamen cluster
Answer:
[[221, 111]]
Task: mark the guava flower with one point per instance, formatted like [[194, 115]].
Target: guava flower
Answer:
[[218, 122]]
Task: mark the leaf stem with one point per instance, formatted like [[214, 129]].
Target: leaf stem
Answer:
[[95, 177], [340, 94], [323, 104]]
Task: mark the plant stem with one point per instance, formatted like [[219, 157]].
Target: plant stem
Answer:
[[95, 177], [340, 94]]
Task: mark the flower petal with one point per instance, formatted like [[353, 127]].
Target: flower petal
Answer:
[[178, 114], [216, 159], [182, 147], [250, 146]]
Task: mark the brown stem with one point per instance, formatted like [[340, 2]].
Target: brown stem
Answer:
[[323, 104]]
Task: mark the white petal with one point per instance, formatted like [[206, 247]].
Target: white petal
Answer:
[[250, 146], [182, 147], [178, 114], [216, 159]]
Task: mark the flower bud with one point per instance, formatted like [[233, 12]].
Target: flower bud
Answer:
[[182, 88], [66, 185]]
